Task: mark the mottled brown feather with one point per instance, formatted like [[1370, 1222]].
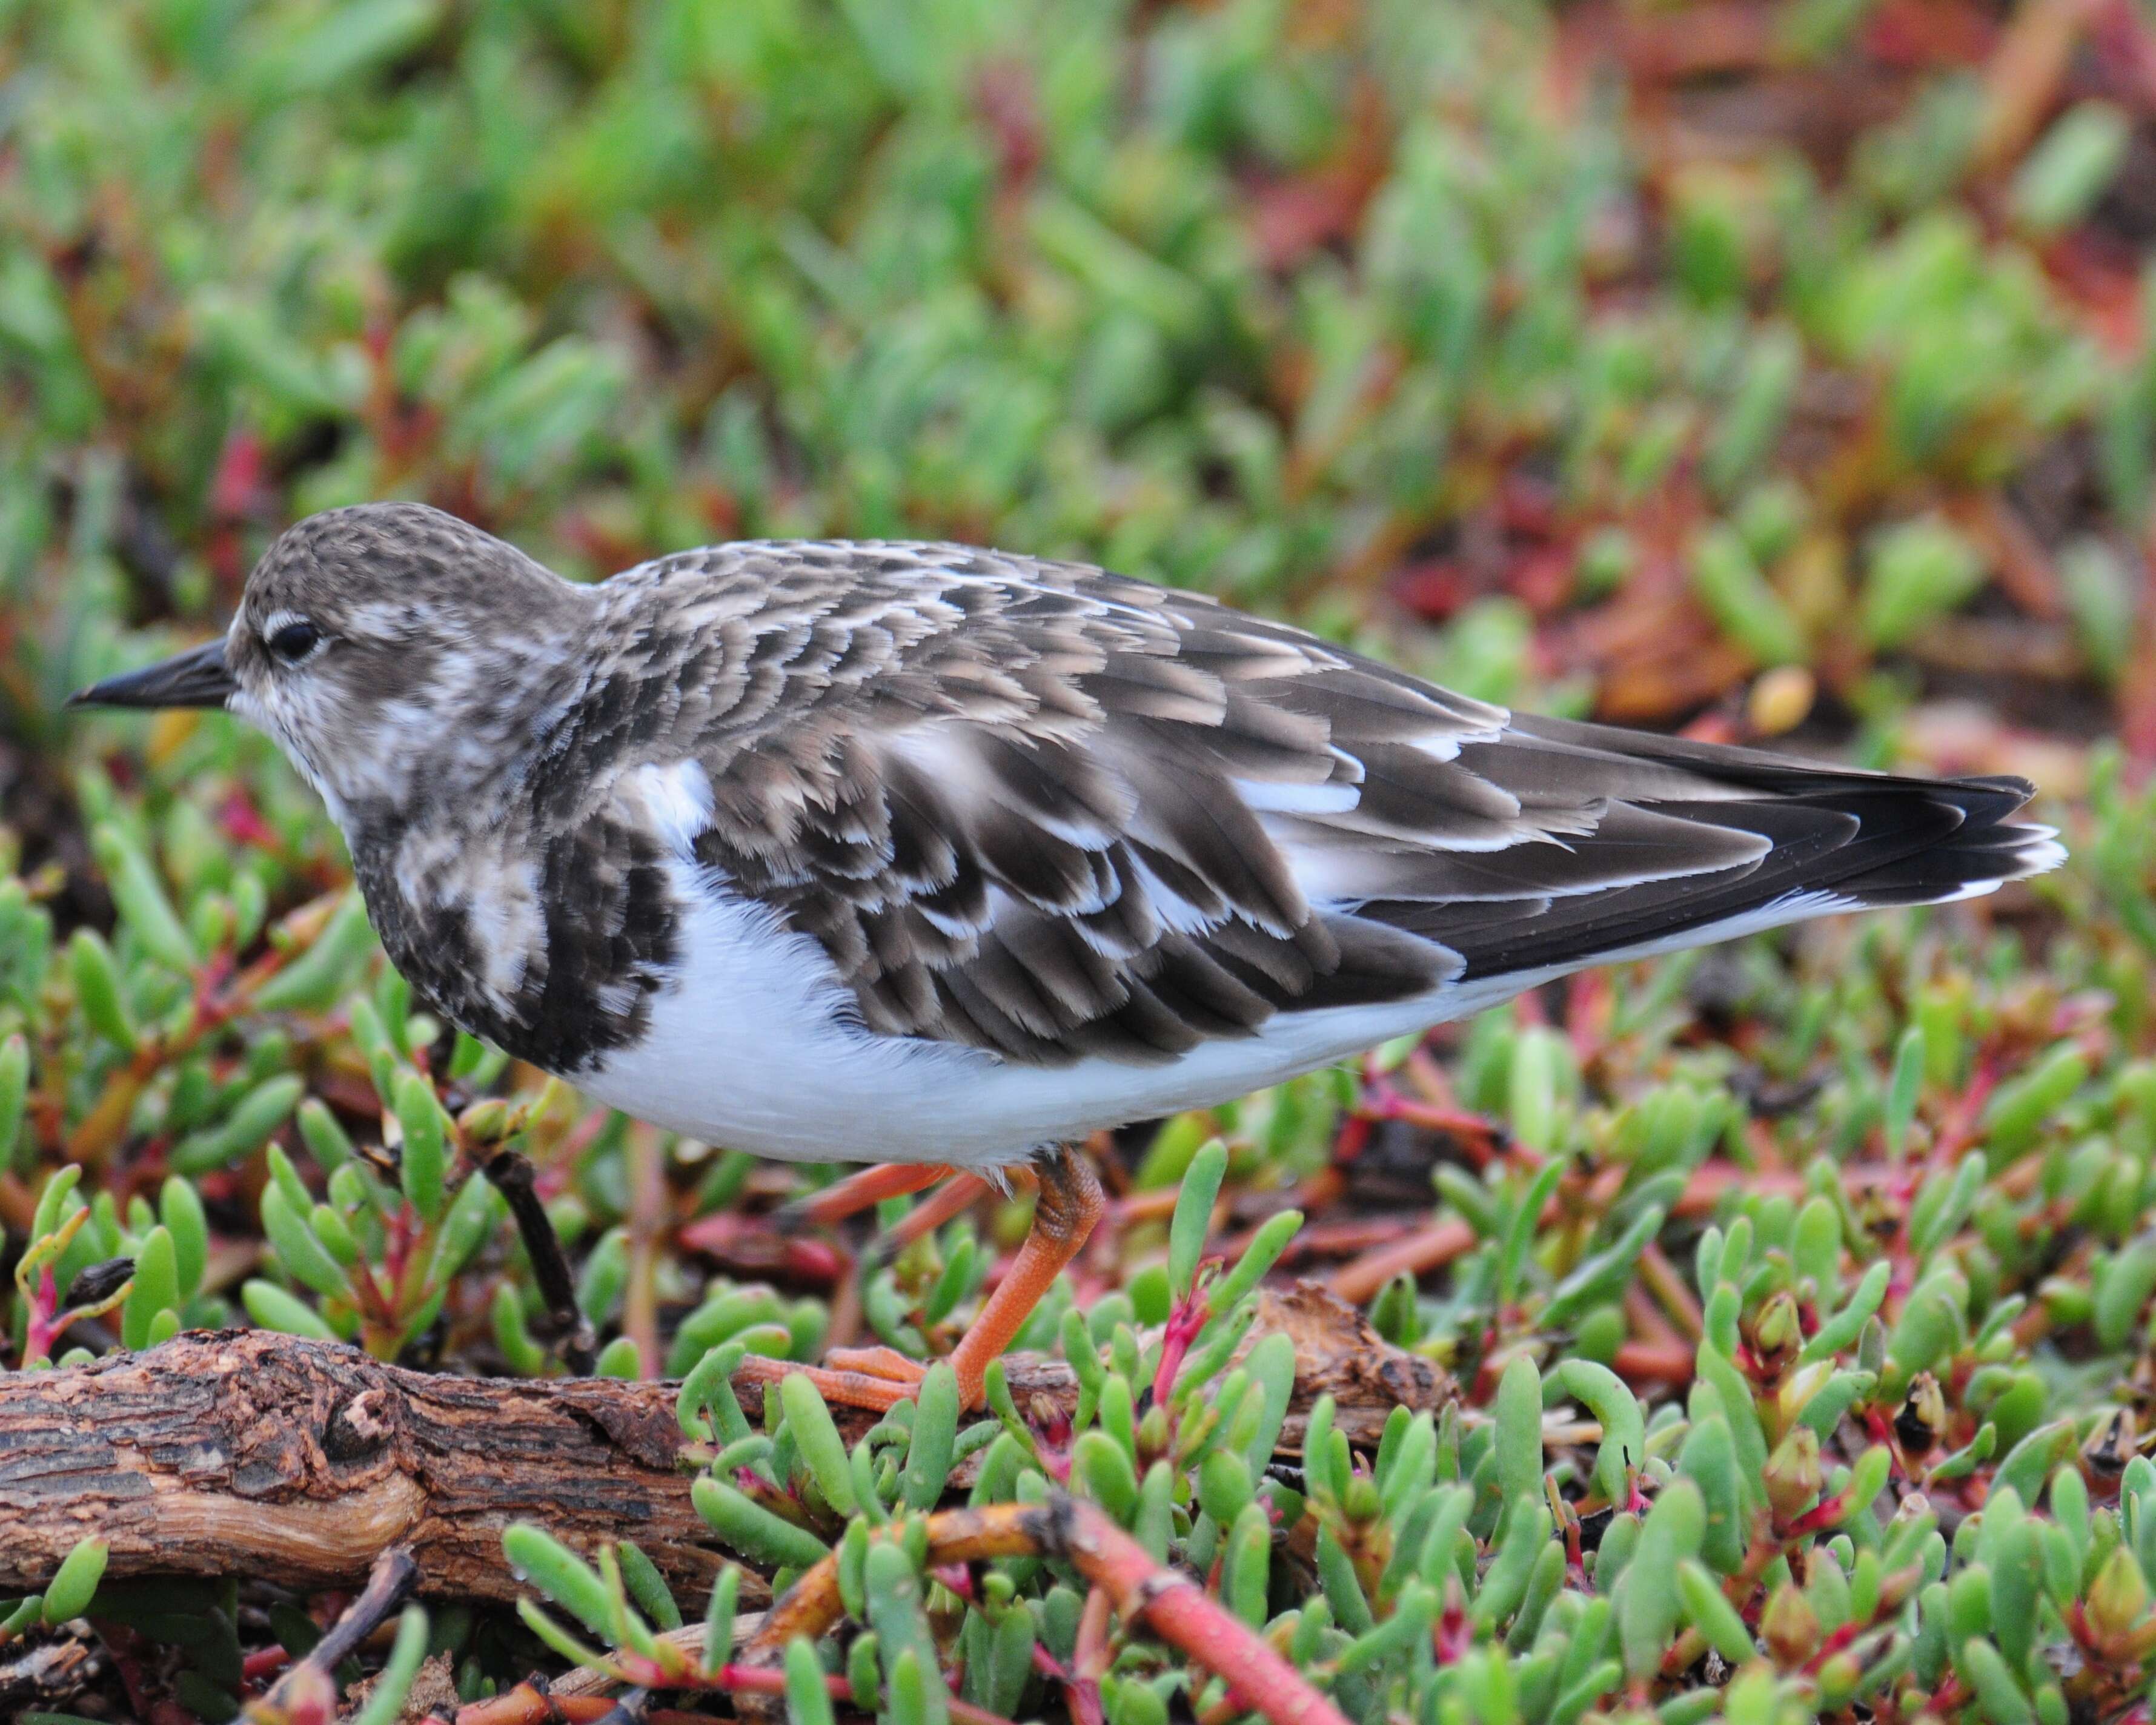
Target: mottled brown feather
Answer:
[[1035, 808]]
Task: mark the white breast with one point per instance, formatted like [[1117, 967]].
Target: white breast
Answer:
[[749, 1047]]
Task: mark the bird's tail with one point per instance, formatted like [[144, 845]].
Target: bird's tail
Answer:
[[1985, 851], [1836, 840]]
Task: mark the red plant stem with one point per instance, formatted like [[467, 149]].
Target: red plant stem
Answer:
[[1836, 1639], [1089, 1658], [124, 1645], [1957, 1132], [1170, 1603], [1590, 1004], [1184, 1324], [1649, 1325], [1821, 1516], [1431, 1116], [1154, 1206], [1710, 1179], [1181, 1613], [1661, 1363], [41, 1333], [265, 1662], [1083, 1699], [959, 1579]]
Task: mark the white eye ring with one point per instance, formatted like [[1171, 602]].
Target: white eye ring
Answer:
[[291, 637]]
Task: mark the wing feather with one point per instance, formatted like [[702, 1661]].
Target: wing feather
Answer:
[[1060, 814]]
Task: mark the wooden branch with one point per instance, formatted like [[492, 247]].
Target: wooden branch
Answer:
[[298, 1461], [253, 1453]]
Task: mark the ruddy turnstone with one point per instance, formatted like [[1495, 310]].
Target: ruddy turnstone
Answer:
[[946, 858]]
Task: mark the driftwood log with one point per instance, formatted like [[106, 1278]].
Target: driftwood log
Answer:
[[247, 1452]]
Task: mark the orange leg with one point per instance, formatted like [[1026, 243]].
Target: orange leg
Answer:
[[955, 1199], [1070, 1203], [856, 1192]]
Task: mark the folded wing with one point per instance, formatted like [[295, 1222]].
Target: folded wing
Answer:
[[1044, 810]]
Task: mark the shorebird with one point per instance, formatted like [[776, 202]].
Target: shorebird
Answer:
[[944, 858]]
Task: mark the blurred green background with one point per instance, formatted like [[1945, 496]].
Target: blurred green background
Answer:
[[1597, 357]]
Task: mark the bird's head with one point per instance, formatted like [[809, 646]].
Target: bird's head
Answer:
[[396, 653]]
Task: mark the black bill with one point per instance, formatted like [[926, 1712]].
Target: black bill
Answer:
[[195, 678]]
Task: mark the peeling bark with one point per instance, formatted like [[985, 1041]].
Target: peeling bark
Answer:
[[297, 1461], [255, 1453]]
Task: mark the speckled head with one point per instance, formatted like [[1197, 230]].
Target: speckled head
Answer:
[[393, 651]]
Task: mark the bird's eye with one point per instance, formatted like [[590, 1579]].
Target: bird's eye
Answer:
[[294, 641]]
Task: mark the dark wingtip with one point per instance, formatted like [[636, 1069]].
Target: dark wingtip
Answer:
[[1991, 797], [2010, 782]]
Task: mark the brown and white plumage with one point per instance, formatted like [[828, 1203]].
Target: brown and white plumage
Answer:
[[922, 852], [1061, 815]]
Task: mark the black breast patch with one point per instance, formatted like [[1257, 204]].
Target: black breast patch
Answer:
[[611, 940]]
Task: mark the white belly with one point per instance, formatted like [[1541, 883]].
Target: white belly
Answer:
[[756, 1047]]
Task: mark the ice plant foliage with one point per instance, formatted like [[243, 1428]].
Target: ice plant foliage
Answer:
[[1754, 368]]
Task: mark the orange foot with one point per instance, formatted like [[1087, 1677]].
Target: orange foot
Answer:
[[847, 1385], [880, 1377]]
